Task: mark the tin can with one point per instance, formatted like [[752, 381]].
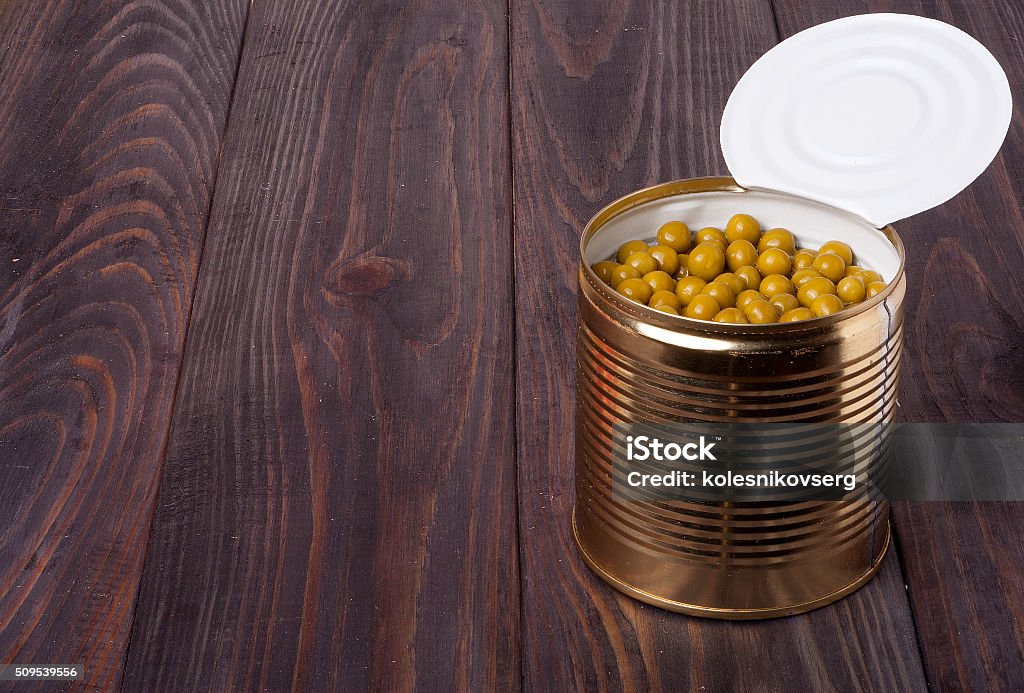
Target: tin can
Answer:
[[634, 364]]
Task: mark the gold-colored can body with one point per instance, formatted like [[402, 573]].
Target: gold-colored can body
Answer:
[[634, 364]]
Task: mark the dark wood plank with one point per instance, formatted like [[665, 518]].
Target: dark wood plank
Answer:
[[607, 98], [963, 363], [337, 508], [111, 118]]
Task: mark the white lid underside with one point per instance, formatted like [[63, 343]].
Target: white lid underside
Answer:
[[883, 115]]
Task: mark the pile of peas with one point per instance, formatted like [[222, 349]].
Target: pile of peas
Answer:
[[739, 275]]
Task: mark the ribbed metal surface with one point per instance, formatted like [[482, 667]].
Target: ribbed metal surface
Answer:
[[728, 560]]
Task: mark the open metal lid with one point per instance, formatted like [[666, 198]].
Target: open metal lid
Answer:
[[883, 115]]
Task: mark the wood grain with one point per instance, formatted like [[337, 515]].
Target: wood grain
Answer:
[[111, 117], [609, 97], [964, 362], [337, 509]]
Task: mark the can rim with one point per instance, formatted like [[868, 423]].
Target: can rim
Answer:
[[716, 184]]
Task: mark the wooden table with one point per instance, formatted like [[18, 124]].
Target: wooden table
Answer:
[[286, 349]]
